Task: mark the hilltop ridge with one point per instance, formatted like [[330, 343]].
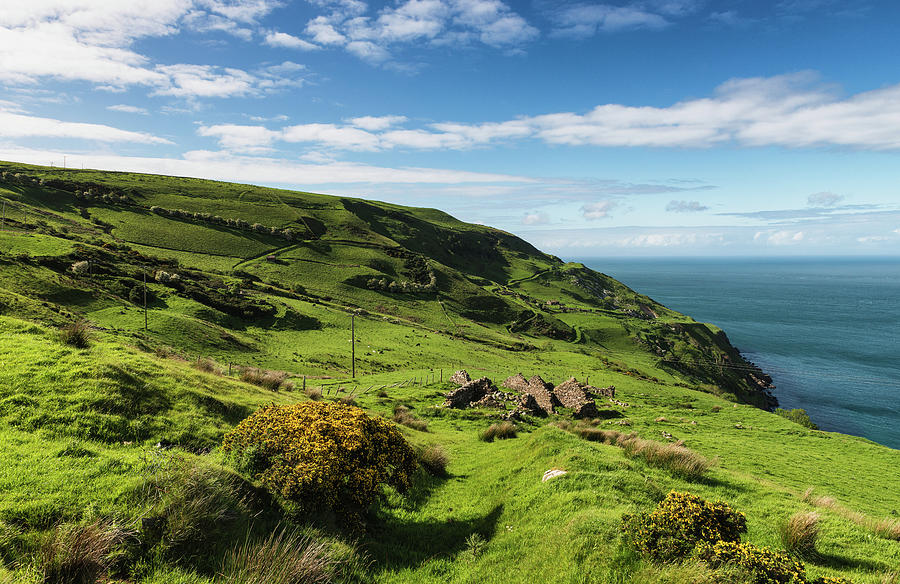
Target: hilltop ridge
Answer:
[[238, 251]]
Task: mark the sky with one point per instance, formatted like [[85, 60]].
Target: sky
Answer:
[[591, 129]]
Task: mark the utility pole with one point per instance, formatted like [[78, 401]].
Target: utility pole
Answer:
[[145, 309], [64, 162], [353, 343]]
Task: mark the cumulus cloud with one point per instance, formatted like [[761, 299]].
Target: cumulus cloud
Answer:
[[685, 207], [586, 20], [599, 210], [92, 41], [824, 199], [263, 170], [128, 109], [424, 22], [537, 218], [240, 138], [13, 125], [287, 41], [780, 237], [376, 123], [790, 111]]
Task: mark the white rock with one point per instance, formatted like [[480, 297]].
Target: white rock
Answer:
[[552, 474]]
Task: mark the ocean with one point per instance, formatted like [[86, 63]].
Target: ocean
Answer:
[[826, 329]]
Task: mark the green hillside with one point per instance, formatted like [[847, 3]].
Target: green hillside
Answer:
[[242, 278]]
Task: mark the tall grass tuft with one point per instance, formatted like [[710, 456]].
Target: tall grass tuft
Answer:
[[78, 554], [282, 558], [272, 380], [76, 334], [403, 416], [799, 534], [674, 457], [500, 431], [604, 436], [435, 459], [314, 393], [887, 528], [208, 365]]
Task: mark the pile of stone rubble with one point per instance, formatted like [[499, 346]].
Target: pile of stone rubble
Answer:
[[534, 396]]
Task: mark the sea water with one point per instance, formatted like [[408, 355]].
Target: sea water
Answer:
[[826, 329]]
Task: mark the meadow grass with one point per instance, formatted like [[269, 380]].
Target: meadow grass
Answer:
[[79, 428]]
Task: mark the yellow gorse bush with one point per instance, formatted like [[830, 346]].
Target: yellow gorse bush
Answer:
[[320, 454], [679, 523], [763, 565]]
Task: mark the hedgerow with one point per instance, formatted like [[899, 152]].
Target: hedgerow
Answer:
[[681, 522], [322, 455]]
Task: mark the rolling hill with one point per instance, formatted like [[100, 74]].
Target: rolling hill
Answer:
[[185, 283]]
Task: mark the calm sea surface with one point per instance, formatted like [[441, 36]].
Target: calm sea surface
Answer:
[[826, 329]]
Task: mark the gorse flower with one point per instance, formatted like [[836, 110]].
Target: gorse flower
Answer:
[[679, 523], [763, 565], [316, 454]]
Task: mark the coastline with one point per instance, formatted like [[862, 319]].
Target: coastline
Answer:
[[819, 328]]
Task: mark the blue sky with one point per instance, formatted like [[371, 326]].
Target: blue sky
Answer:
[[653, 127]]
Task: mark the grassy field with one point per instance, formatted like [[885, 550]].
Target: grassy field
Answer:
[[127, 431]]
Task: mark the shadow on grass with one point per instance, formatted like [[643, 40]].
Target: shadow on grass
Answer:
[[398, 543], [844, 563]]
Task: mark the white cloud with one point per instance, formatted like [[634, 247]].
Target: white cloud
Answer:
[[205, 81], [785, 237], [685, 207], [14, 125], [586, 20], [341, 137], [240, 138], [426, 22], [538, 218], [368, 51], [260, 170], [599, 210], [128, 109], [787, 111], [204, 22], [376, 123], [92, 40], [323, 32], [284, 40], [824, 199]]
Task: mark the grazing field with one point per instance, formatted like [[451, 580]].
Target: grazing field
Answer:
[[114, 409]]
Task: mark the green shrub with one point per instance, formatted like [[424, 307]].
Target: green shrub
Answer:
[[798, 416], [76, 334], [500, 431], [679, 523], [799, 534], [763, 565], [322, 455]]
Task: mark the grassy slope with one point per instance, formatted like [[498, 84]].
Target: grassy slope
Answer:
[[114, 401]]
